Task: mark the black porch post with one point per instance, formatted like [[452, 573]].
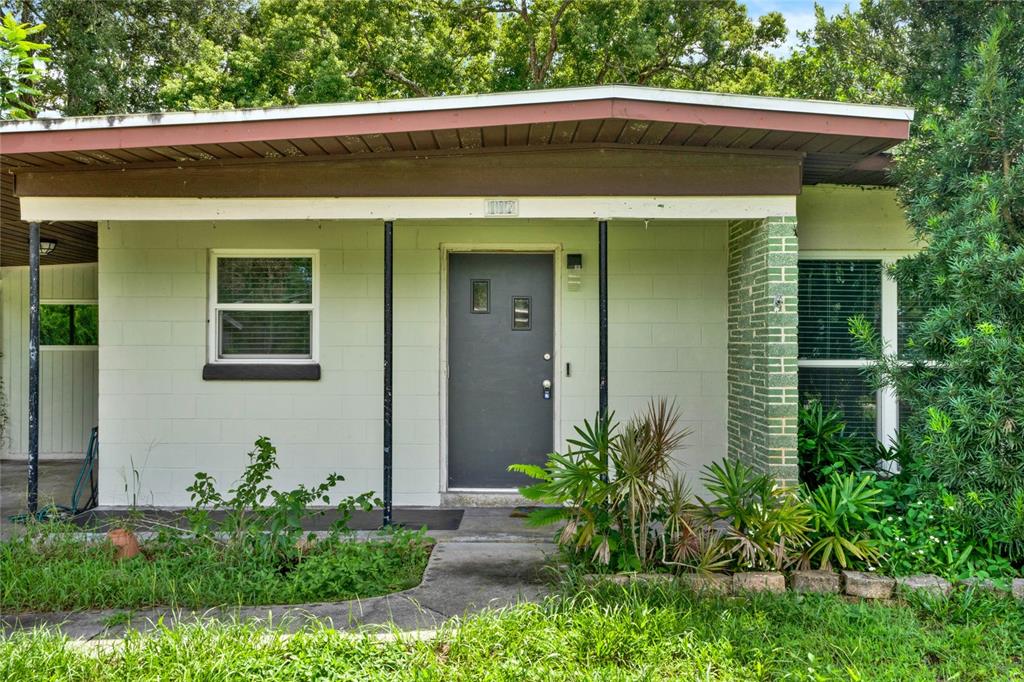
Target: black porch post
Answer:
[[389, 228], [33, 367], [602, 316]]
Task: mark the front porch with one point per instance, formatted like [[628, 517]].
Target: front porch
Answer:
[[677, 211], [668, 334]]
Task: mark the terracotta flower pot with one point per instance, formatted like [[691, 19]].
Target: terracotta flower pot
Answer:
[[125, 543]]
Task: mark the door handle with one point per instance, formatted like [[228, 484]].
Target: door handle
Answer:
[[546, 385]]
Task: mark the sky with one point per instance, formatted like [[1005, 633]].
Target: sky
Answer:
[[799, 14]]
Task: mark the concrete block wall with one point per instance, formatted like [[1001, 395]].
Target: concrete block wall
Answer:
[[162, 422], [762, 377]]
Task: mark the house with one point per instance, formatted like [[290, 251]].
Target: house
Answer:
[[418, 293]]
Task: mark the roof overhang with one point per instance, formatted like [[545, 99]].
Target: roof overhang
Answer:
[[823, 141], [471, 111]]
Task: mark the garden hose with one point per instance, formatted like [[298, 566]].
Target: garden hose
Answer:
[[87, 472]]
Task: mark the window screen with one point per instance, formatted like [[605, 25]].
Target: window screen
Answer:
[[830, 293], [264, 307], [69, 324], [845, 389]]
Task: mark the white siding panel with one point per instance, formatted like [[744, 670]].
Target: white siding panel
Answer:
[[68, 379]]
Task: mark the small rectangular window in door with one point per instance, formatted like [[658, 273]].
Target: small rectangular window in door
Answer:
[[481, 295], [521, 313]]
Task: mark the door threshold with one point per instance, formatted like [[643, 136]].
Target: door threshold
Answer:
[[484, 491], [456, 498]]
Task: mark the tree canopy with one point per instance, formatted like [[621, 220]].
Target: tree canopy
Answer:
[[113, 56]]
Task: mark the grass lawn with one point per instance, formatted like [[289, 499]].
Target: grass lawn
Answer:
[[55, 570], [638, 633]]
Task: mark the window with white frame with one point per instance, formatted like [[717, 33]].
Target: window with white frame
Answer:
[[263, 306], [831, 291]]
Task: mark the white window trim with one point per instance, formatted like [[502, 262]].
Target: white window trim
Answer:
[[68, 301], [887, 407], [214, 307]]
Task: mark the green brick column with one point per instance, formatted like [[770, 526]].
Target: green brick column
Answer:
[[763, 400]]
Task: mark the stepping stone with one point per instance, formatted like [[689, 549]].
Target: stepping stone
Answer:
[[1018, 588], [926, 582], [758, 581], [820, 582], [868, 585]]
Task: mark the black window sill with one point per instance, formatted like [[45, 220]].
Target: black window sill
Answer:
[[261, 372]]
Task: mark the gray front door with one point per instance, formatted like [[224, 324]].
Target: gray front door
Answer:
[[500, 354]]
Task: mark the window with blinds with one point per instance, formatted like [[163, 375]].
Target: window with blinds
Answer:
[[830, 365], [263, 307], [830, 293]]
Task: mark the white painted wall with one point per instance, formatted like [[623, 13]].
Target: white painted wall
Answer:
[[159, 418], [67, 378]]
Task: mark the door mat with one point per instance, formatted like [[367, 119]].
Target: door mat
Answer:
[[414, 518]]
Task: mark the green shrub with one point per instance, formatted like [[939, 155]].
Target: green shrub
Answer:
[[250, 524], [920, 532], [609, 487], [823, 446], [962, 186], [623, 508], [766, 525]]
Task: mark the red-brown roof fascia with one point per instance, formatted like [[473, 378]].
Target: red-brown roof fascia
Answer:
[[161, 135]]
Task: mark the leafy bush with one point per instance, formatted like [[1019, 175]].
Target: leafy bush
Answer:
[[921, 532], [250, 524], [624, 509], [823, 446], [962, 187], [609, 487]]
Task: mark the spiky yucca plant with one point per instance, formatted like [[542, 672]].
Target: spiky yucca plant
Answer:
[[609, 487]]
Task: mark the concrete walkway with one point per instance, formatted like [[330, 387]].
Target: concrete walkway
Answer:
[[470, 569]]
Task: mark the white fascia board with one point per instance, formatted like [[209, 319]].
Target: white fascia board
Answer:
[[402, 208], [460, 102]]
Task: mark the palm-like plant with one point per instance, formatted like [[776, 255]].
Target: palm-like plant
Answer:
[[840, 511], [611, 485], [764, 525], [576, 484]]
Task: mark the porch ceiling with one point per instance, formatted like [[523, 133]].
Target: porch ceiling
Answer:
[[76, 241]]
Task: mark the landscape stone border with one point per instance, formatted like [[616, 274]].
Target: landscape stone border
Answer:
[[859, 584]]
